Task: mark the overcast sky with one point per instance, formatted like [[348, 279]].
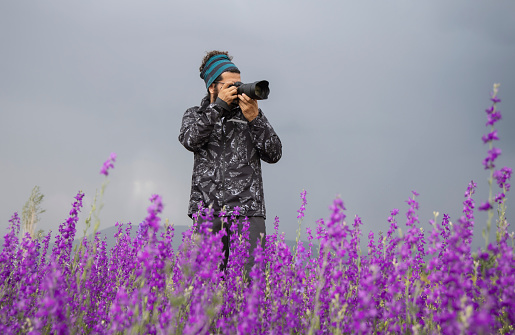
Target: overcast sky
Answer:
[[371, 99]]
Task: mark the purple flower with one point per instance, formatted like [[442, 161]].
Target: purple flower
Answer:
[[484, 255], [493, 118], [108, 164], [499, 198], [152, 220], [236, 211], [502, 176], [485, 206], [337, 209], [493, 153], [492, 136], [303, 206], [64, 242]]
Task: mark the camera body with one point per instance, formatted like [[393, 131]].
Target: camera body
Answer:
[[258, 90]]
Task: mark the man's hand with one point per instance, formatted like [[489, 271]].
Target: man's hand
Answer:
[[228, 94], [248, 106]]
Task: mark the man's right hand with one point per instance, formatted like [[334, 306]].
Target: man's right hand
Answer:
[[228, 94]]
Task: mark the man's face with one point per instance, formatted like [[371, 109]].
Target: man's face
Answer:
[[227, 77]]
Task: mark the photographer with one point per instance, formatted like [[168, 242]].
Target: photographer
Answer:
[[229, 136]]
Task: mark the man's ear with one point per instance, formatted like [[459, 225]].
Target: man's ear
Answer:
[[212, 88]]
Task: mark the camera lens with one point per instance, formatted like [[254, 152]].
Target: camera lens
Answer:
[[258, 90]]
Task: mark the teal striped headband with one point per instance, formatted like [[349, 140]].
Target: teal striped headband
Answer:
[[214, 67]]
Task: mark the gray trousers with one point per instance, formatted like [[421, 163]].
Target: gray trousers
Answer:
[[256, 228]]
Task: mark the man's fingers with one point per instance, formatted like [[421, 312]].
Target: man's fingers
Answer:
[[244, 97], [231, 90]]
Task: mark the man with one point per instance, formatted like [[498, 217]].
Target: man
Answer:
[[229, 136]]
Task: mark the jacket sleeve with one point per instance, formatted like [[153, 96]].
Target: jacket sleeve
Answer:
[[197, 125], [265, 139]]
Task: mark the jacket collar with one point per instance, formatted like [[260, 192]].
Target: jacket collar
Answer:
[[204, 103]]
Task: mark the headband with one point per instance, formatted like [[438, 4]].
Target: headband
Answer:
[[214, 67]]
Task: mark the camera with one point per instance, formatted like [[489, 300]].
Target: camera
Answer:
[[258, 90]]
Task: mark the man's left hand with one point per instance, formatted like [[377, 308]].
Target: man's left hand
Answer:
[[248, 106]]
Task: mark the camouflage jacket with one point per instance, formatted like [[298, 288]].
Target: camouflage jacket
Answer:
[[227, 152]]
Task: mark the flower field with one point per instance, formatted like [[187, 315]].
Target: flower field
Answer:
[[408, 281]]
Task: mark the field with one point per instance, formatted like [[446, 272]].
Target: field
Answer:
[[408, 281]]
